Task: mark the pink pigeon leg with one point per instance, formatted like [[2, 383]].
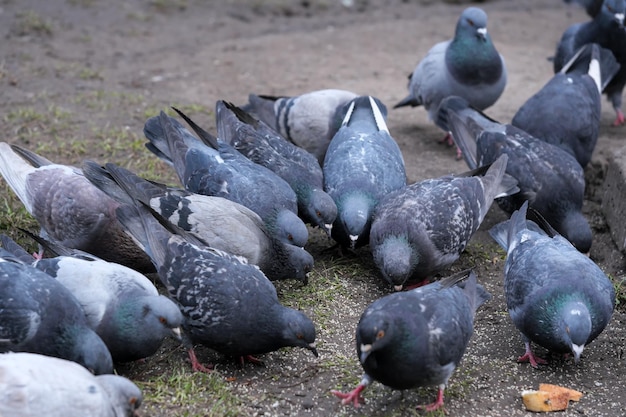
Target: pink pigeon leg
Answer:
[[619, 119], [529, 356], [353, 396], [195, 363], [437, 404]]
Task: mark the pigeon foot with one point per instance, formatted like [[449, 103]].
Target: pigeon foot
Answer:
[[619, 119], [196, 365], [353, 396], [436, 405], [529, 356]]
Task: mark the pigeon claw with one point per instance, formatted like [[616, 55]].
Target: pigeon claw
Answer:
[[196, 365], [619, 120], [353, 396], [434, 406], [529, 356]]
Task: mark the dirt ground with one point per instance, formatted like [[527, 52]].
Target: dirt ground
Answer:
[[101, 68]]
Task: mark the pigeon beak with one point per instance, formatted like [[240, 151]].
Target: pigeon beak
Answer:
[[398, 287], [577, 350], [177, 334], [328, 228], [353, 239], [313, 349], [305, 281], [365, 352], [482, 33], [619, 18]]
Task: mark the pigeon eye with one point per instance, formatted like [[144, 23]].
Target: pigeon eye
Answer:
[[380, 334], [290, 237], [300, 336], [162, 320], [318, 214], [471, 22]]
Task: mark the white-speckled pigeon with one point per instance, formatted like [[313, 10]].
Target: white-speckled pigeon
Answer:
[[39, 315], [309, 120], [607, 30], [566, 111], [228, 304], [263, 145], [120, 304], [424, 227], [212, 167], [556, 296], [467, 66], [221, 223], [549, 178], [362, 165], [33, 385], [69, 209], [417, 338]]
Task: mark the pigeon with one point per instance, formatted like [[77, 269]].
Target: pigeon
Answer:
[[607, 30], [417, 338], [467, 66], [550, 178], [69, 209], [422, 228], [592, 7], [121, 305], [263, 145], [566, 111], [363, 163], [39, 315], [221, 223], [309, 120], [212, 167], [556, 296], [33, 385], [229, 305]]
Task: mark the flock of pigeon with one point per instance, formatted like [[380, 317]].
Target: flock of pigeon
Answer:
[[327, 159]]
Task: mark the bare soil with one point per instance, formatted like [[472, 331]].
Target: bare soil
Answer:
[[112, 64]]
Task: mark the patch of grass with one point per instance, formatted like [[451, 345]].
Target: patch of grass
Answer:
[[31, 23], [620, 291], [184, 393]]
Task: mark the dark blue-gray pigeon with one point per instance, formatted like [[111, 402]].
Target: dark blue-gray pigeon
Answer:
[[607, 30], [263, 145], [417, 338], [69, 208], [121, 305], [550, 178], [33, 385], [39, 315], [557, 297], [309, 120], [221, 223], [229, 305], [210, 166], [363, 163], [423, 228], [468, 66], [566, 111]]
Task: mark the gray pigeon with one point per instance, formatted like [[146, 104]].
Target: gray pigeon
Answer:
[[69, 209], [417, 338], [221, 223], [39, 315], [607, 30], [121, 305], [550, 178], [309, 120], [467, 66], [211, 166], [424, 227], [263, 145], [228, 304], [566, 111], [362, 165], [556, 296], [33, 385]]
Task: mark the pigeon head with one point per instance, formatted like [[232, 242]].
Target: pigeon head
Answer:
[[89, 350], [299, 331], [290, 228], [396, 259], [612, 11], [575, 228], [162, 317], [576, 323], [472, 23], [295, 263], [322, 210], [125, 396], [355, 213], [374, 332]]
